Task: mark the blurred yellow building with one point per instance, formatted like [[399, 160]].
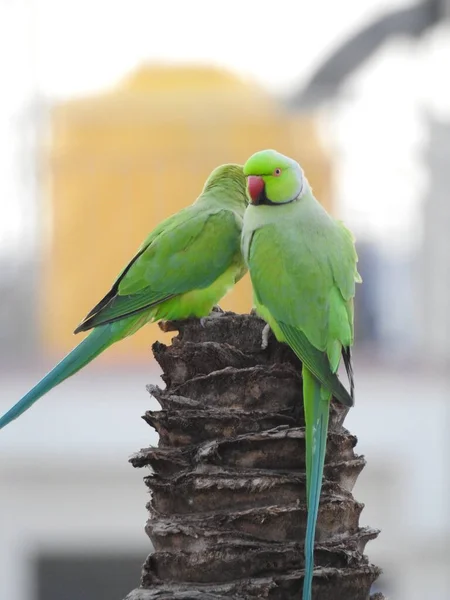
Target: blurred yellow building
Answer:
[[120, 162]]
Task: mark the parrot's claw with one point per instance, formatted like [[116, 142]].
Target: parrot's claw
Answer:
[[216, 312], [216, 309], [265, 336]]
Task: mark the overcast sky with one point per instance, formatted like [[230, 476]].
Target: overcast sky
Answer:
[[64, 48], [85, 44]]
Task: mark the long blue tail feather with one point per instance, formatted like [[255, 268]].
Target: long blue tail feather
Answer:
[[317, 412], [97, 341]]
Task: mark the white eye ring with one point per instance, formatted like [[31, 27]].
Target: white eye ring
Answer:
[[277, 172]]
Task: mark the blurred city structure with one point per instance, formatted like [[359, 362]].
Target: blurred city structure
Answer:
[[121, 162], [83, 180]]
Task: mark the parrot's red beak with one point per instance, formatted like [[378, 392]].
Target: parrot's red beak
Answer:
[[255, 186]]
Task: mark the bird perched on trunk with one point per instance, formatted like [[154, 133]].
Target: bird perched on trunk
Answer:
[[183, 268], [302, 264]]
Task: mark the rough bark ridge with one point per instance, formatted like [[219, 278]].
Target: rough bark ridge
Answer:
[[227, 510]]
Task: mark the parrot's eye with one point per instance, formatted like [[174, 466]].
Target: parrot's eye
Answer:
[[277, 172]]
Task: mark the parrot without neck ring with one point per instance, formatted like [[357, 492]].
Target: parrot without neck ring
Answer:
[[183, 268], [302, 265]]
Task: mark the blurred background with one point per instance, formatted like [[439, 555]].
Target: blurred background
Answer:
[[112, 114]]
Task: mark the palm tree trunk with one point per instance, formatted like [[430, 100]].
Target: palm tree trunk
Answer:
[[227, 509]]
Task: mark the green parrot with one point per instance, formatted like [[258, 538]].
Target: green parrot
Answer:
[[183, 268], [302, 265]]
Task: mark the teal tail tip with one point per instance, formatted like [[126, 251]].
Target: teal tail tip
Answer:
[[318, 445], [80, 356], [23, 404], [307, 585]]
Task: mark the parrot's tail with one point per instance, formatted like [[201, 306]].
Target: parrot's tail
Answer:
[[97, 341], [317, 410]]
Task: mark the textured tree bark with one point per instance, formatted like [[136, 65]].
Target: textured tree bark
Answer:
[[227, 509]]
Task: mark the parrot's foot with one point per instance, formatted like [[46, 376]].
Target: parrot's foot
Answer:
[[216, 309], [216, 312], [265, 336]]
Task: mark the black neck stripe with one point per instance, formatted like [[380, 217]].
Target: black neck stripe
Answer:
[[263, 199]]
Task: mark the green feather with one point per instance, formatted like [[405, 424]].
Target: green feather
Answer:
[[316, 361], [184, 267], [164, 268], [302, 265]]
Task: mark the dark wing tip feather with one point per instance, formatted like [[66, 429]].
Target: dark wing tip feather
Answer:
[[347, 356], [88, 322], [83, 326], [315, 361]]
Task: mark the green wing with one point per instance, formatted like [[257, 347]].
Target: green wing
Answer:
[[315, 269], [188, 251]]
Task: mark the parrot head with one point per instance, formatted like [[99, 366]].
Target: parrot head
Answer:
[[273, 178], [226, 185], [224, 175]]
